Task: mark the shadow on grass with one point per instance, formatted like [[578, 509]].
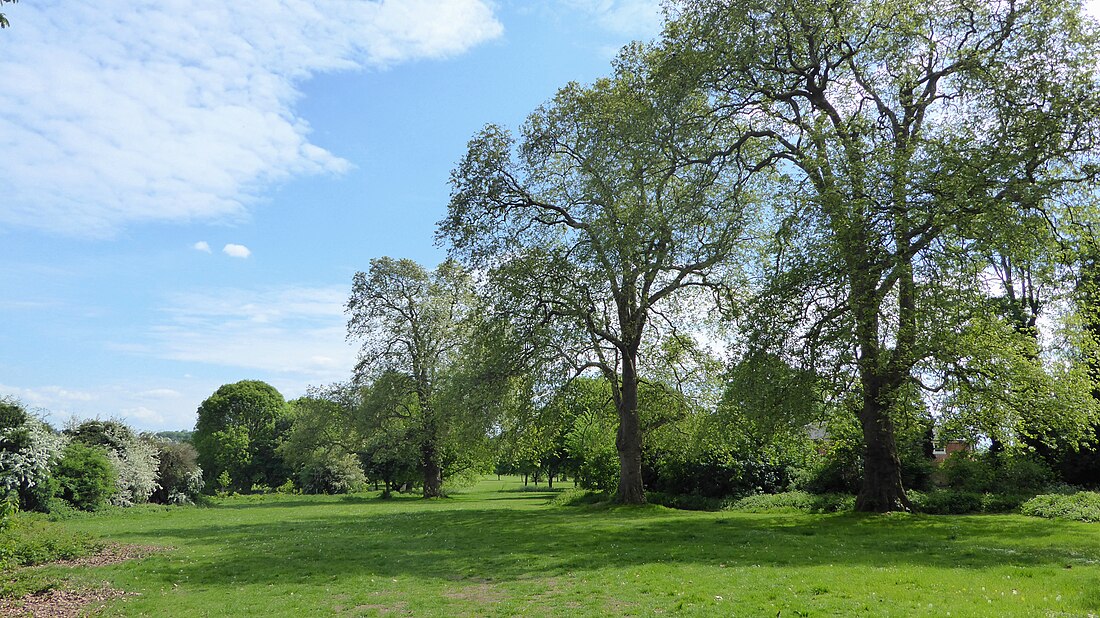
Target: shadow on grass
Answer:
[[508, 545]]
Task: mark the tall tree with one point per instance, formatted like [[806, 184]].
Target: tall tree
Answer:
[[594, 224], [413, 324], [897, 122]]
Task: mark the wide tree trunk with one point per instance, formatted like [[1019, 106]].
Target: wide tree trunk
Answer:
[[882, 489], [629, 439], [433, 472]]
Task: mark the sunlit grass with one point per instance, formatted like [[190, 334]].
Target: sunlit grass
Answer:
[[494, 550]]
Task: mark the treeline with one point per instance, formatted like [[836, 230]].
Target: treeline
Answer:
[[90, 464], [789, 245]]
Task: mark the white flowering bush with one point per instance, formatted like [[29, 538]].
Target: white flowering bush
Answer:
[[27, 451], [134, 459]]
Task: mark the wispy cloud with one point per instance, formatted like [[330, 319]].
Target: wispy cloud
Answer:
[[175, 110], [237, 251], [202, 245], [298, 332], [639, 19]]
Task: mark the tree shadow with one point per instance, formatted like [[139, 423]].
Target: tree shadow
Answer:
[[510, 545]]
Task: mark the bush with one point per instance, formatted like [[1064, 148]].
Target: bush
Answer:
[[686, 502], [986, 473], [331, 475], [28, 447], [717, 475], [952, 502], [1081, 506], [795, 502], [578, 497], [133, 459], [85, 477], [179, 476]]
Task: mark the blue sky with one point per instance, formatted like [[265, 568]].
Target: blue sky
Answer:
[[190, 186]]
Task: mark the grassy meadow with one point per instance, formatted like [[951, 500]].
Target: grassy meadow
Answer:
[[497, 550]]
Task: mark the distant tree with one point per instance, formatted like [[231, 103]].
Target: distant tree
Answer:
[[413, 323], [237, 433], [175, 436], [4, 20], [596, 221], [322, 447]]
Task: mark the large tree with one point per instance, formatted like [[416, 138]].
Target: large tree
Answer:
[[594, 223], [413, 324], [897, 124], [237, 432]]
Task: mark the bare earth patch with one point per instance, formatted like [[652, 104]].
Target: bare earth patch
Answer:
[[60, 603], [112, 553], [64, 603]]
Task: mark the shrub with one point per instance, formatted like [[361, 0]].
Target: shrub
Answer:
[[28, 447], [986, 473], [953, 502], [331, 475], [178, 473], [1081, 506], [718, 474], [687, 502], [29, 541], [85, 477], [133, 459], [795, 502]]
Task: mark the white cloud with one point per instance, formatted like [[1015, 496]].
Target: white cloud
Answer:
[[640, 19], [296, 332], [202, 245], [175, 110], [237, 251]]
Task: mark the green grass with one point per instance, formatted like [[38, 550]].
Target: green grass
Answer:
[[493, 550]]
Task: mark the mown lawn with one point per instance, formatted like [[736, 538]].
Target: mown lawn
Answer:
[[494, 550]]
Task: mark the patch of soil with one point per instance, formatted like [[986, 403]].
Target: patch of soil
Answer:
[[60, 603], [65, 603], [112, 553]]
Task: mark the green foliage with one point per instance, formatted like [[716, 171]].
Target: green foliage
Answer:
[[84, 477], [32, 540], [237, 432], [955, 502], [9, 506], [794, 502], [995, 473], [28, 448], [133, 458], [179, 476], [331, 476], [1080, 506], [591, 445]]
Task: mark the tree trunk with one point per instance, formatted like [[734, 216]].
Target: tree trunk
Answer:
[[629, 439], [882, 490], [433, 472]]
